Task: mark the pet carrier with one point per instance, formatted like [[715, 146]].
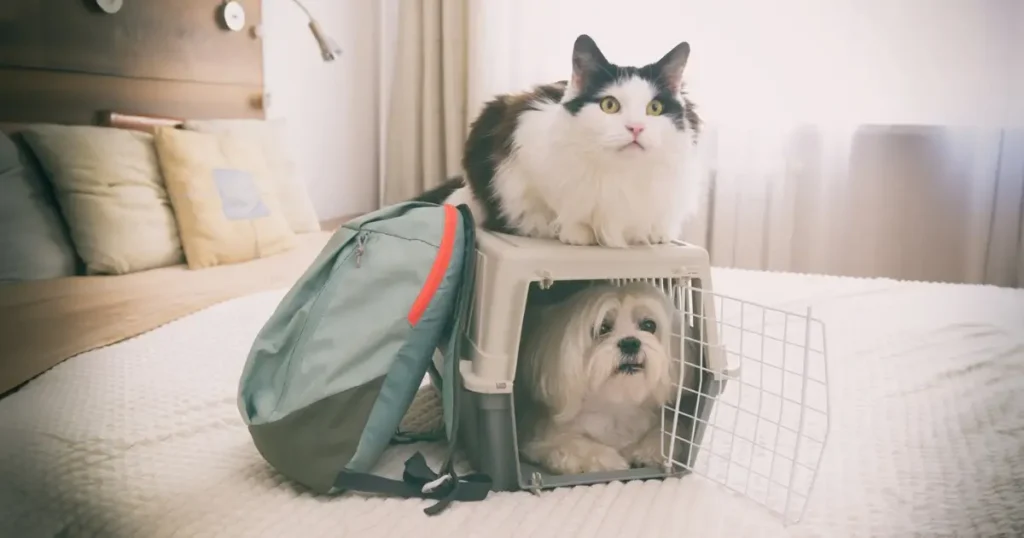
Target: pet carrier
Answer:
[[752, 414]]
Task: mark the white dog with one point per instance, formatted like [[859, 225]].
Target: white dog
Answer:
[[593, 375]]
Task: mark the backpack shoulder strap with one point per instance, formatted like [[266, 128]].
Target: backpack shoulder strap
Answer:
[[418, 480]]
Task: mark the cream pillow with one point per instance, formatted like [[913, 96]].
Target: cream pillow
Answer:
[[109, 188], [272, 136], [223, 197]]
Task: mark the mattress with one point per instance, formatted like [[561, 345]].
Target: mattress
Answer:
[[143, 438]]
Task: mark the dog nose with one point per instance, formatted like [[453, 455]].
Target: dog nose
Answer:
[[629, 345]]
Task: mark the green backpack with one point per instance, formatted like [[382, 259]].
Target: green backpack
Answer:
[[333, 371]]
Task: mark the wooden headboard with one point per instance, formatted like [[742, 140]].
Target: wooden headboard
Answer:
[[65, 61]]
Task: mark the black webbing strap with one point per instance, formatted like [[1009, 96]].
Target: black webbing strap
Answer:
[[408, 438], [418, 480]]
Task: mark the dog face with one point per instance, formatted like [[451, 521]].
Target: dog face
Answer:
[[605, 343], [627, 358]]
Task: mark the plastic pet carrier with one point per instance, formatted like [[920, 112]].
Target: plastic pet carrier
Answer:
[[751, 416]]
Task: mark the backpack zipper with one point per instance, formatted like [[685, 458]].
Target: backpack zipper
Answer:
[[360, 247]]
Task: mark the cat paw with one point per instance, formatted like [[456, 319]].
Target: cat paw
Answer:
[[647, 451], [577, 234], [660, 237], [584, 456], [663, 232], [614, 242]]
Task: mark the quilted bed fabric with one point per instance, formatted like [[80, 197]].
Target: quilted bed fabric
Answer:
[[926, 393]]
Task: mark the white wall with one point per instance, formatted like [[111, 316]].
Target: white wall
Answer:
[[387, 42], [331, 108], [887, 61], [1017, 73]]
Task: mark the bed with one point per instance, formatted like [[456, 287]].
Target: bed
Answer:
[[142, 437]]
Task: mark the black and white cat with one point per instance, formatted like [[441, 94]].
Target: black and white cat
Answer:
[[605, 158]]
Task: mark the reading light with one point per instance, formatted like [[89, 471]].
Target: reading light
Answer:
[[329, 50]]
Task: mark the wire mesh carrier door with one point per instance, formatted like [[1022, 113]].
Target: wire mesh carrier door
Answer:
[[750, 410], [751, 413]]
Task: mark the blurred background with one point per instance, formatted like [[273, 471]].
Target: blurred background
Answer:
[[848, 137], [858, 138]]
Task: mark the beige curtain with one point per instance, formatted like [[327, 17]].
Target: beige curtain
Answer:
[[907, 202], [425, 123]]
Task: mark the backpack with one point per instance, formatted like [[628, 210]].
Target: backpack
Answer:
[[334, 369]]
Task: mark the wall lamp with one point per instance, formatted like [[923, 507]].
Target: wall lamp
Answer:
[[329, 50]]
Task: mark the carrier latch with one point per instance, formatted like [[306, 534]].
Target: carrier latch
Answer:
[[546, 280]]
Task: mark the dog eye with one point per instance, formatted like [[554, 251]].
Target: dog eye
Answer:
[[606, 327], [648, 325]]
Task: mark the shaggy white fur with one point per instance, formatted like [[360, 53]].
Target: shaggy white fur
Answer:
[[593, 375]]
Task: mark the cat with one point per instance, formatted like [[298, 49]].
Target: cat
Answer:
[[604, 158]]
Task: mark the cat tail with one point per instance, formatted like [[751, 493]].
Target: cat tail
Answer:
[[440, 193]]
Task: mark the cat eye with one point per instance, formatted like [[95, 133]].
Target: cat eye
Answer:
[[610, 104], [648, 325], [606, 327], [655, 108]]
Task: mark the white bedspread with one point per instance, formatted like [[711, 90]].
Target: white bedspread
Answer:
[[927, 395]]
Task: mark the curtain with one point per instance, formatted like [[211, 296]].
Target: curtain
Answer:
[[425, 122], [847, 137], [935, 203]]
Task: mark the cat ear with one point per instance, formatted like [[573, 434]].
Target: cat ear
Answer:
[[671, 65], [586, 59]]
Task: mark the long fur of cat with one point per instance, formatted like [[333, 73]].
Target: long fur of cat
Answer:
[[605, 158]]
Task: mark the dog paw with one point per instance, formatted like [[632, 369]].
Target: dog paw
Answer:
[[585, 456], [647, 451], [577, 234]]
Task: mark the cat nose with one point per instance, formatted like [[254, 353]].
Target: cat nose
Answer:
[[629, 345], [635, 128]]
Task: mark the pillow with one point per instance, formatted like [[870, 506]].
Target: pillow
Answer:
[[223, 197], [34, 242], [272, 136], [110, 191]]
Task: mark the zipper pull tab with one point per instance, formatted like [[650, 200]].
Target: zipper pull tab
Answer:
[[360, 249]]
